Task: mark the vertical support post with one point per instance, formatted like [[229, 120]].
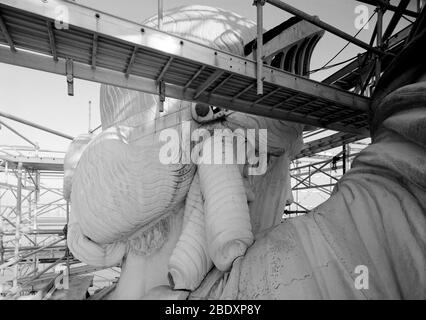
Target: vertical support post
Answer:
[[35, 226], [67, 251], [17, 224], [343, 159], [1, 234], [160, 14], [379, 32], [69, 66], [259, 42], [162, 93]]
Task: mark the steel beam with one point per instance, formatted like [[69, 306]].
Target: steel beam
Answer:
[[360, 66], [203, 87], [15, 261], [281, 103], [194, 77], [239, 94], [52, 41], [6, 34], [395, 19], [123, 30], [311, 185], [379, 34], [259, 47], [131, 61], [267, 95], [18, 224], [221, 84], [316, 21], [315, 186], [19, 134], [390, 7], [94, 50], [32, 124], [323, 144], [160, 14], [164, 70], [153, 41]]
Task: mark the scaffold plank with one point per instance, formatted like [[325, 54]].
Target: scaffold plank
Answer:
[[157, 54], [35, 163], [327, 143]]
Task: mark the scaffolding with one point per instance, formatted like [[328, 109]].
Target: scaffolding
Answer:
[[34, 257], [115, 51]]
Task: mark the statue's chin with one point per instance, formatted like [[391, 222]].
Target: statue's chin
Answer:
[[141, 272]]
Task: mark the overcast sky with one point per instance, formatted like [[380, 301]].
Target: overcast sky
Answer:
[[42, 97]]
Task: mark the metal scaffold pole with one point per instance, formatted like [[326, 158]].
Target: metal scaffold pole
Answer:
[[379, 32], [35, 227], [67, 252], [1, 232], [344, 159], [316, 21], [160, 14], [259, 45], [18, 223]]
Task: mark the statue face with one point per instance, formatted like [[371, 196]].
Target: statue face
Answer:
[[122, 194]]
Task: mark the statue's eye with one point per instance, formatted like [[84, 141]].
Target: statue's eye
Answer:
[[215, 109], [202, 109]]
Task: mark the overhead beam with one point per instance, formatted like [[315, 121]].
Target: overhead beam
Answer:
[[194, 77], [154, 40], [19, 134], [390, 7], [395, 19], [259, 49], [164, 70], [267, 95], [392, 43], [286, 38], [239, 94], [203, 87], [94, 50], [221, 83], [6, 34], [36, 163], [160, 45], [319, 23], [131, 61], [102, 75], [323, 144], [52, 41], [32, 124]]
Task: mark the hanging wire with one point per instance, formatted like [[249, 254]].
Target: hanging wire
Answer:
[[326, 65], [410, 21], [333, 65]]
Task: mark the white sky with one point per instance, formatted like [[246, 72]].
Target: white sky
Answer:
[[42, 97]]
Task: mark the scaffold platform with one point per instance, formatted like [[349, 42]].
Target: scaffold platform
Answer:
[[99, 47]]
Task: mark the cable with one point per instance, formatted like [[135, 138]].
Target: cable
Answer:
[[325, 66], [333, 65], [407, 19]]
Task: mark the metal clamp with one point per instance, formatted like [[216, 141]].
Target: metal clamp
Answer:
[[69, 70], [162, 93]]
